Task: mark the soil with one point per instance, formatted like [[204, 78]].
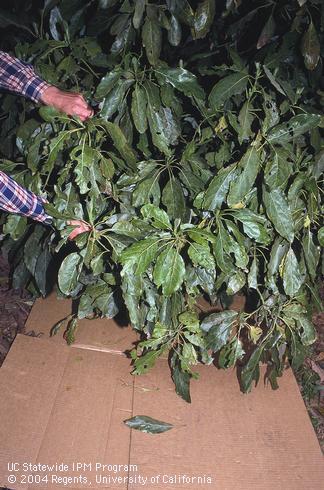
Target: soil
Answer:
[[315, 364], [15, 306]]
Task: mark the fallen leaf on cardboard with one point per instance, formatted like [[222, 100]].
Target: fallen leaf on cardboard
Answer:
[[147, 424]]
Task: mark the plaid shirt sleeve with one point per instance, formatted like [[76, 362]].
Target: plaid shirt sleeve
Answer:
[[20, 77], [16, 199]]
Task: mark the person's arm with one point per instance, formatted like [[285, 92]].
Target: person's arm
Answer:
[[15, 199], [20, 77]]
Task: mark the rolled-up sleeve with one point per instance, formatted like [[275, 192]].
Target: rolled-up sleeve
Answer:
[[20, 77], [16, 199]]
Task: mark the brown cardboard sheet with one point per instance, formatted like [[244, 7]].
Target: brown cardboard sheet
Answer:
[[261, 441], [97, 334], [66, 406], [62, 405]]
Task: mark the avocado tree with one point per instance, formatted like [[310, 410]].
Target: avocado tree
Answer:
[[200, 173]]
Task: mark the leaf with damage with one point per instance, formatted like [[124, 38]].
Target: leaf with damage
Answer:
[[147, 424]]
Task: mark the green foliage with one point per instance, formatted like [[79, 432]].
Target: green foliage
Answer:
[[199, 174]]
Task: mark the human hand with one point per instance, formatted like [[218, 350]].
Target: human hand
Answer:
[[80, 227], [68, 102]]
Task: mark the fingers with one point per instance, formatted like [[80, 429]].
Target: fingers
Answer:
[[80, 227], [73, 234], [70, 103], [77, 106]]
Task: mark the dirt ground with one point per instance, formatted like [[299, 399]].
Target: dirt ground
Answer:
[[311, 380], [15, 306]]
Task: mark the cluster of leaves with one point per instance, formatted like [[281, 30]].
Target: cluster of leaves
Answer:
[[200, 174]]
